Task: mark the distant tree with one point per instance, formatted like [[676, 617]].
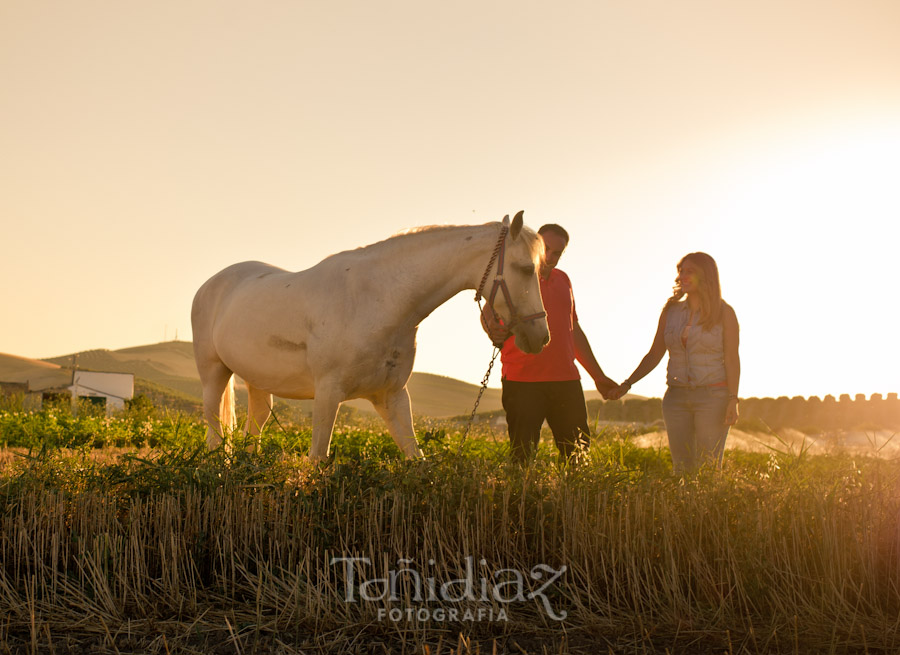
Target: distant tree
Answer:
[[814, 413], [640, 410], [796, 415], [830, 413], [892, 410], [861, 411], [613, 410], [767, 411], [877, 412], [749, 408], [781, 412], [807, 414], [755, 414], [845, 411], [595, 409]]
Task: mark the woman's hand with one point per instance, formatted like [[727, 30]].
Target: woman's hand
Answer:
[[731, 412]]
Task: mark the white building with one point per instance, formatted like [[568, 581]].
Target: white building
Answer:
[[37, 381], [115, 388]]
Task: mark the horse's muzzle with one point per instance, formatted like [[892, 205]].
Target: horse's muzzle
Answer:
[[531, 335]]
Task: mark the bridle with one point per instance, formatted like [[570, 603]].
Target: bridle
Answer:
[[500, 285], [514, 319]]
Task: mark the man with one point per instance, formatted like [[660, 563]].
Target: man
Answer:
[[548, 385]]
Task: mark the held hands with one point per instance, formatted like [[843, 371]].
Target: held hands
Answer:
[[606, 387], [619, 391]]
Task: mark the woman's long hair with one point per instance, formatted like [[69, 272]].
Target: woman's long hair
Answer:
[[708, 286]]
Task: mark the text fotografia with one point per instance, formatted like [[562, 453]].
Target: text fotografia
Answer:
[[504, 586], [439, 614]]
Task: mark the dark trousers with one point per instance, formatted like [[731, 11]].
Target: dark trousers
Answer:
[[528, 404]]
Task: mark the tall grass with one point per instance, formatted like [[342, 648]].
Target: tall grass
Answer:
[[180, 550]]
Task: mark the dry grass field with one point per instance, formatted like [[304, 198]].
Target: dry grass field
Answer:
[[171, 549]]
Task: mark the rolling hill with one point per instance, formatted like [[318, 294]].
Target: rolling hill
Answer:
[[166, 372], [18, 369], [168, 365], [22, 370]]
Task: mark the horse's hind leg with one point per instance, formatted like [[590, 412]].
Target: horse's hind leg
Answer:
[[394, 408], [258, 412]]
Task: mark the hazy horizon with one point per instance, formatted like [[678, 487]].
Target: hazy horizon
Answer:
[[494, 381]]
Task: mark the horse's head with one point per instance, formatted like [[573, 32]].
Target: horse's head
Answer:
[[516, 292]]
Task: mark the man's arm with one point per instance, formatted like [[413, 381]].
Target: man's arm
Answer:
[[585, 357]]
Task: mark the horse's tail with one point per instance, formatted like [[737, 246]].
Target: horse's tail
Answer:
[[226, 410]]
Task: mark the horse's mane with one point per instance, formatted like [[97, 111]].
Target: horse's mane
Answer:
[[534, 242], [423, 228]]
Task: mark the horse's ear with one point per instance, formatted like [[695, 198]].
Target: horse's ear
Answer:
[[505, 220], [516, 226]]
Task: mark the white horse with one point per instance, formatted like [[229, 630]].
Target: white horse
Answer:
[[346, 328]]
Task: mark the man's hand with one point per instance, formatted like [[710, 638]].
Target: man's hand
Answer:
[[499, 335], [495, 329]]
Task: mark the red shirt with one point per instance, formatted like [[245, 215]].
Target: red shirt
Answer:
[[556, 362]]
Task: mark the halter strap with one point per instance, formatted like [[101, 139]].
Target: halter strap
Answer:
[[500, 285], [498, 250]]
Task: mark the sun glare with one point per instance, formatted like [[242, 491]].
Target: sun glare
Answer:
[[823, 215]]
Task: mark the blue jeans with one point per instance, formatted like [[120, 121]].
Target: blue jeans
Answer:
[[695, 422]]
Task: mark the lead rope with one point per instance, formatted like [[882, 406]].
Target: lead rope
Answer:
[[484, 383]]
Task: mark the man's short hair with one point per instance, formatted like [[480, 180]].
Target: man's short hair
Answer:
[[556, 229]]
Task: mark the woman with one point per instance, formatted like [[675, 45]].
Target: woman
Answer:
[[700, 332]]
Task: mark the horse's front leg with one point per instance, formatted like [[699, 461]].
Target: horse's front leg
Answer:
[[394, 408], [325, 409]]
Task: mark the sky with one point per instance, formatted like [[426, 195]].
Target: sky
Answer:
[[146, 146]]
